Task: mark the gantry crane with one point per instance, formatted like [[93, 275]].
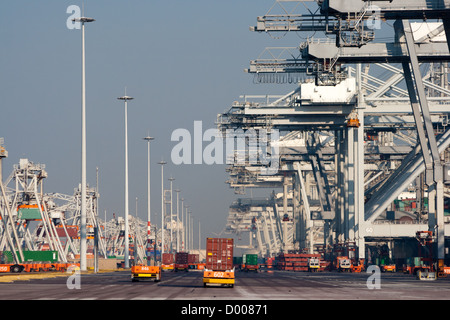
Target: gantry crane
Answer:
[[374, 108]]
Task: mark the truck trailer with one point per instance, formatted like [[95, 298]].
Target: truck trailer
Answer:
[[219, 269]]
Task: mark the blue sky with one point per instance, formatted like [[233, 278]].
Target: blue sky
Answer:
[[181, 60]]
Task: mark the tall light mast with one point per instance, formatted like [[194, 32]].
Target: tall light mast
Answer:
[[83, 241], [127, 244], [148, 139]]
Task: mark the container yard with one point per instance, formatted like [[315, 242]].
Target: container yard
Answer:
[[336, 170]]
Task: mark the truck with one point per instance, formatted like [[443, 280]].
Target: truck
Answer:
[[343, 264], [219, 268], [181, 261], [387, 265], [313, 264], [145, 273], [167, 262], [414, 265], [250, 262], [388, 268], [33, 261]]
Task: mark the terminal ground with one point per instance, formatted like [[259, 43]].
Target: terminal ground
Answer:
[[273, 285]]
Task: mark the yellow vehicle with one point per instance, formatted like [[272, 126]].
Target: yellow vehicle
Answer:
[[225, 278], [145, 272], [313, 264], [388, 268], [387, 265], [167, 266], [343, 264]]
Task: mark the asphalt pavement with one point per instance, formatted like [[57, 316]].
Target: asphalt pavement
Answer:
[[276, 285]]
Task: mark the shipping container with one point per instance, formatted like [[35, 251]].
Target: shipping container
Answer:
[[167, 258], [418, 261], [251, 259], [250, 262], [219, 254], [193, 258], [29, 212], [72, 231], [414, 261], [181, 258], [181, 261], [32, 256], [296, 261], [237, 261]]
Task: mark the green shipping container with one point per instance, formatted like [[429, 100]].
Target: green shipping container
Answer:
[[251, 259], [32, 256], [417, 261], [29, 214], [48, 256]]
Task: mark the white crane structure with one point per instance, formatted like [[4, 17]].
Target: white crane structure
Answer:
[[367, 121], [31, 220]]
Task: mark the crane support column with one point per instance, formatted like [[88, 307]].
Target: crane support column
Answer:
[[434, 170], [359, 169]]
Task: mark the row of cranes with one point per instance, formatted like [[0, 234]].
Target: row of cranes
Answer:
[[31, 220], [367, 120]]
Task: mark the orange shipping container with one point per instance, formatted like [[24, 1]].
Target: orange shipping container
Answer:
[[167, 258]]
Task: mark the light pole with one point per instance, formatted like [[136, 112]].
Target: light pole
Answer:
[[186, 232], [162, 163], [148, 139], [171, 214], [178, 232], [135, 248], [126, 253], [83, 243], [189, 231], [182, 225], [191, 228]]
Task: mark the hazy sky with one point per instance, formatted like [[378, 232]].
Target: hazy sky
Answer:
[[181, 60]]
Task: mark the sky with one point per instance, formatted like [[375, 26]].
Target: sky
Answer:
[[182, 61]]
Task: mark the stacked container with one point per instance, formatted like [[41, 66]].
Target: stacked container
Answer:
[[193, 258], [219, 254], [296, 261]]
